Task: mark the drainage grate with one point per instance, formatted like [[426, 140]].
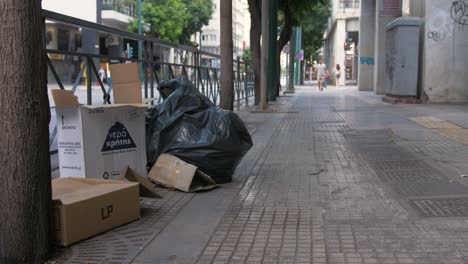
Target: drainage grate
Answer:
[[331, 127], [441, 207], [399, 165], [409, 175], [358, 109], [120, 246], [387, 156], [430, 188], [329, 122]]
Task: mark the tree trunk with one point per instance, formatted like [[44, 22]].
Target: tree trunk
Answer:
[[25, 195], [255, 34], [285, 36], [227, 85]]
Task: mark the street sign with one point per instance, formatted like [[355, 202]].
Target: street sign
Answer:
[[300, 55]]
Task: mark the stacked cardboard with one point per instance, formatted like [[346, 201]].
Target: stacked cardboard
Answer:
[[99, 141], [107, 143]]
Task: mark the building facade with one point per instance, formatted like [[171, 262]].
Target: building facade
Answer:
[[343, 27], [113, 13], [210, 35]]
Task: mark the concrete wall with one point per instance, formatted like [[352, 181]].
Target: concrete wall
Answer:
[[446, 52], [334, 50], [329, 49], [339, 52], [366, 46], [352, 25]]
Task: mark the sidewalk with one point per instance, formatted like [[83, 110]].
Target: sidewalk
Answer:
[[334, 177]]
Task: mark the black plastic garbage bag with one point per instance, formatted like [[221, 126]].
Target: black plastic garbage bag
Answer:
[[188, 125]]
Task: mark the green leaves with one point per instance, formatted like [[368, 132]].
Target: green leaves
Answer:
[[174, 20], [312, 15], [313, 27]]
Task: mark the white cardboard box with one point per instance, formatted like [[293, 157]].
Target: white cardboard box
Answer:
[[99, 141]]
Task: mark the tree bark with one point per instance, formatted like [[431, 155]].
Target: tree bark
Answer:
[[255, 34], [25, 189], [227, 85], [285, 36]]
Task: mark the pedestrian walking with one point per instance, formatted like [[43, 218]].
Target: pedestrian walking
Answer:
[[321, 69], [108, 76], [102, 74], [337, 74]]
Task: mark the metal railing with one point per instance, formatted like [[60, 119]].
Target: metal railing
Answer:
[[349, 3], [121, 7], [76, 70]]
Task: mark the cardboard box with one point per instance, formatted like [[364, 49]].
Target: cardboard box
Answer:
[[126, 85], [99, 141], [173, 172], [86, 207]]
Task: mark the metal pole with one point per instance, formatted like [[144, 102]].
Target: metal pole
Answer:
[[297, 68], [292, 54], [200, 40], [238, 82], [246, 87], [90, 79], [264, 56], [140, 46]]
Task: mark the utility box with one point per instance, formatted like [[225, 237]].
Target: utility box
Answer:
[[402, 57]]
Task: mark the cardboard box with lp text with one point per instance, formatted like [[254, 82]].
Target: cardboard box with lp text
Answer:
[[99, 141], [86, 207]]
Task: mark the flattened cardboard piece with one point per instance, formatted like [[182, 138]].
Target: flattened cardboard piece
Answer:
[[86, 207], [64, 98], [146, 187], [173, 172]]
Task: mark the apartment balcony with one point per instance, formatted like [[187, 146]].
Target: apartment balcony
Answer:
[[117, 14]]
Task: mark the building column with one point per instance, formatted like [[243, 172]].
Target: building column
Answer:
[[339, 53], [366, 46], [385, 12]]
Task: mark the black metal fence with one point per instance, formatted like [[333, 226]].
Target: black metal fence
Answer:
[[80, 67]]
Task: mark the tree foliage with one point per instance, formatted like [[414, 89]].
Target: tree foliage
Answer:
[[313, 27], [200, 12], [312, 15], [174, 20], [296, 13], [247, 56]]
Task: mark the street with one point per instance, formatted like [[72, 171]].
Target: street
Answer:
[[334, 177]]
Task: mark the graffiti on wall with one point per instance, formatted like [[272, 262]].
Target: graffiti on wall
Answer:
[[459, 13], [367, 60], [436, 35]]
